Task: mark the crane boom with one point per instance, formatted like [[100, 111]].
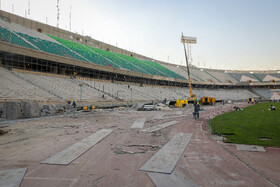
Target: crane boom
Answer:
[[188, 40]]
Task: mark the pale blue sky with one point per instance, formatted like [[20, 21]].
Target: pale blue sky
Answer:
[[231, 34]]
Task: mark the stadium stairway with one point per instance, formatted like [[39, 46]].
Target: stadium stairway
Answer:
[[164, 70], [257, 77], [96, 89], [196, 77], [213, 76], [233, 77], [35, 84]]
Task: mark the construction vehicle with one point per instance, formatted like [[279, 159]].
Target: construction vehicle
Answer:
[[189, 40], [207, 100], [181, 103], [250, 100]]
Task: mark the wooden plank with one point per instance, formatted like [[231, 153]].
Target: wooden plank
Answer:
[[174, 179], [11, 177], [139, 123], [165, 160], [73, 152], [160, 126]]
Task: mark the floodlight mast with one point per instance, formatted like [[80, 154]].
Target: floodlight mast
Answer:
[[188, 40]]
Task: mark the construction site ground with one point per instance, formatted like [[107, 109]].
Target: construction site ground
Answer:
[[116, 160]]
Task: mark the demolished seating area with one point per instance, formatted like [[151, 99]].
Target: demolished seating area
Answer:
[[27, 85]]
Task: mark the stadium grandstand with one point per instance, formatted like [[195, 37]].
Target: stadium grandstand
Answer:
[[41, 62], [75, 111]]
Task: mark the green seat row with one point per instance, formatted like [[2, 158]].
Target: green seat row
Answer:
[[144, 67], [8, 36], [84, 51], [163, 69], [122, 63], [50, 47]]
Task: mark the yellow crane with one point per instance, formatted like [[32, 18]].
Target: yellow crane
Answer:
[[189, 40]]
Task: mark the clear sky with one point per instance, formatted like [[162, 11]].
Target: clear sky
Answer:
[[231, 34]]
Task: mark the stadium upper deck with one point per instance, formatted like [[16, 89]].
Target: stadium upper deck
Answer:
[[35, 46]]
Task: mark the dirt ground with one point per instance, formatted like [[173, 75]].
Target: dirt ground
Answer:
[[115, 161]]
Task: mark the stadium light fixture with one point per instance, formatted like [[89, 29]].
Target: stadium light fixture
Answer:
[[188, 39]]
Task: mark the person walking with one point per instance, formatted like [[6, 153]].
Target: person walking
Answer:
[[74, 104], [196, 109]]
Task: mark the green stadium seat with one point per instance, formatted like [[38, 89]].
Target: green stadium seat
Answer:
[[10, 37]]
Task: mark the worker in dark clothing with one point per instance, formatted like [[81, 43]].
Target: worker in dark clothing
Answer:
[[272, 107], [196, 109], [74, 104]]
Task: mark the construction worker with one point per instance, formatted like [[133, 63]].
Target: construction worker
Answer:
[[196, 109], [74, 104]]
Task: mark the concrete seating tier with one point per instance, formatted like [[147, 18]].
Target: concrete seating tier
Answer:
[[164, 70], [85, 52], [11, 37], [65, 88], [32, 86], [143, 66], [223, 77], [13, 87], [121, 63], [50, 47]]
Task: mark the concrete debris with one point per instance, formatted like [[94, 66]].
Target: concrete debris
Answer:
[[119, 150], [136, 149], [2, 132], [148, 147], [48, 110], [95, 183], [160, 106], [156, 133], [120, 108]]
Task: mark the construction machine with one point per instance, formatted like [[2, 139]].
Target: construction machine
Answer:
[[189, 40], [207, 101], [250, 100]]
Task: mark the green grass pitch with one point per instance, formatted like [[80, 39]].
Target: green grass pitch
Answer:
[[254, 125]]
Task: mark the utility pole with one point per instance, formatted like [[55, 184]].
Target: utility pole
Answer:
[[57, 16], [70, 18], [28, 8]]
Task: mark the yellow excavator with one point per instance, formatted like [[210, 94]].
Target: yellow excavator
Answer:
[[189, 40]]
